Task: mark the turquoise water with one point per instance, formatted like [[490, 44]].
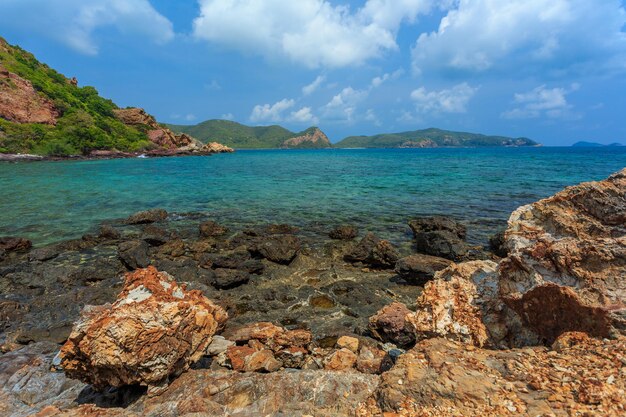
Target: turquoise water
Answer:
[[378, 190]]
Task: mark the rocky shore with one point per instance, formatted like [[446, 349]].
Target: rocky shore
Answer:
[[151, 317]]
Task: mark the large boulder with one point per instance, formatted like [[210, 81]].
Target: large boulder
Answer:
[[420, 268], [373, 251], [390, 324], [567, 264], [154, 330], [277, 248], [444, 378]]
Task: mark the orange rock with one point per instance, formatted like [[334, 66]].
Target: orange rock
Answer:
[[259, 331], [340, 360], [155, 329], [350, 343], [20, 102]]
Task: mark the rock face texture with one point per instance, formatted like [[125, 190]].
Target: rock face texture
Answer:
[[445, 378], [419, 268], [390, 324], [20, 102], [373, 251], [312, 137], [154, 330], [566, 270], [440, 236]]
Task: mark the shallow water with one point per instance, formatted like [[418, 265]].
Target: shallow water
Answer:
[[377, 189]]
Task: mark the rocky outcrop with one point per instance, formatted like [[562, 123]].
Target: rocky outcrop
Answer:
[[311, 138], [21, 103], [214, 147], [154, 331], [11, 244], [567, 261], [390, 324], [440, 377], [136, 116]]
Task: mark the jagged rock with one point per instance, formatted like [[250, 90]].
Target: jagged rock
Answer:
[[567, 261], [218, 345], [439, 377], [135, 116], [14, 244], [311, 138], [373, 251], [247, 359], [148, 216], [212, 229], [390, 325], [340, 360], [420, 268], [21, 103], [134, 254], [277, 248], [154, 330], [343, 233], [214, 147]]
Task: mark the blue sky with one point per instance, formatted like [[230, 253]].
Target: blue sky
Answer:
[[551, 70]]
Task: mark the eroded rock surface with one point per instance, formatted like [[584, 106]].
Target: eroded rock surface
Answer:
[[154, 330], [21, 103]]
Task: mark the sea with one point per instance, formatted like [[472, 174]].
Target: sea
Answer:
[[377, 190]]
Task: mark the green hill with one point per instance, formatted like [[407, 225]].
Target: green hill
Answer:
[[240, 136], [431, 138], [43, 112]]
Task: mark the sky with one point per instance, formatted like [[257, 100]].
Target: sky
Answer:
[[550, 70]]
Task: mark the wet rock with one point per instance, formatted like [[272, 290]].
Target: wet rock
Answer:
[[446, 378], [277, 248], [14, 244], [340, 360], [43, 254], [390, 325], [567, 261], [212, 229], [155, 236], [497, 244], [154, 330], [373, 251], [271, 229], [149, 216], [109, 232], [229, 278], [438, 223], [419, 268], [134, 254], [343, 233]]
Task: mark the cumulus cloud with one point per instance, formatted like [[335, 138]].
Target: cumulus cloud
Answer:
[[311, 88], [542, 101], [228, 116], [271, 112], [73, 22], [312, 33], [304, 115], [451, 100], [480, 35]]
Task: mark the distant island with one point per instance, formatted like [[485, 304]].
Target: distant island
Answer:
[[239, 136], [44, 113], [583, 144], [431, 138]]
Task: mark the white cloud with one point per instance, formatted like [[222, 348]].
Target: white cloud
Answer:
[[519, 35], [304, 115], [378, 81], [73, 22], [271, 112], [452, 100], [343, 105], [190, 117], [311, 88], [228, 116], [542, 101], [312, 33]]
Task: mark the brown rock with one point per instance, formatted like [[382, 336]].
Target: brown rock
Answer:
[[148, 216], [248, 359], [312, 137], [373, 251], [14, 244], [136, 116], [21, 103], [343, 232], [340, 360], [389, 324], [350, 343], [373, 361], [214, 147], [419, 268], [154, 330], [567, 261], [260, 331], [212, 229], [293, 338]]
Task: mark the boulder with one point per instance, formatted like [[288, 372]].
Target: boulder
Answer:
[[340, 360], [214, 147], [148, 216], [14, 244], [134, 254], [348, 342], [109, 232], [419, 268], [372, 360], [343, 232], [229, 278], [247, 359], [438, 223], [277, 248], [390, 324], [439, 377], [153, 331], [567, 261], [374, 252], [212, 229], [440, 236]]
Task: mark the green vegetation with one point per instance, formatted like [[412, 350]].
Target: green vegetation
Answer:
[[429, 138], [86, 120], [240, 136]]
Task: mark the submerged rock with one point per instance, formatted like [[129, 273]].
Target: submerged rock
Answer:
[[373, 251], [567, 261], [344, 232], [154, 330]]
